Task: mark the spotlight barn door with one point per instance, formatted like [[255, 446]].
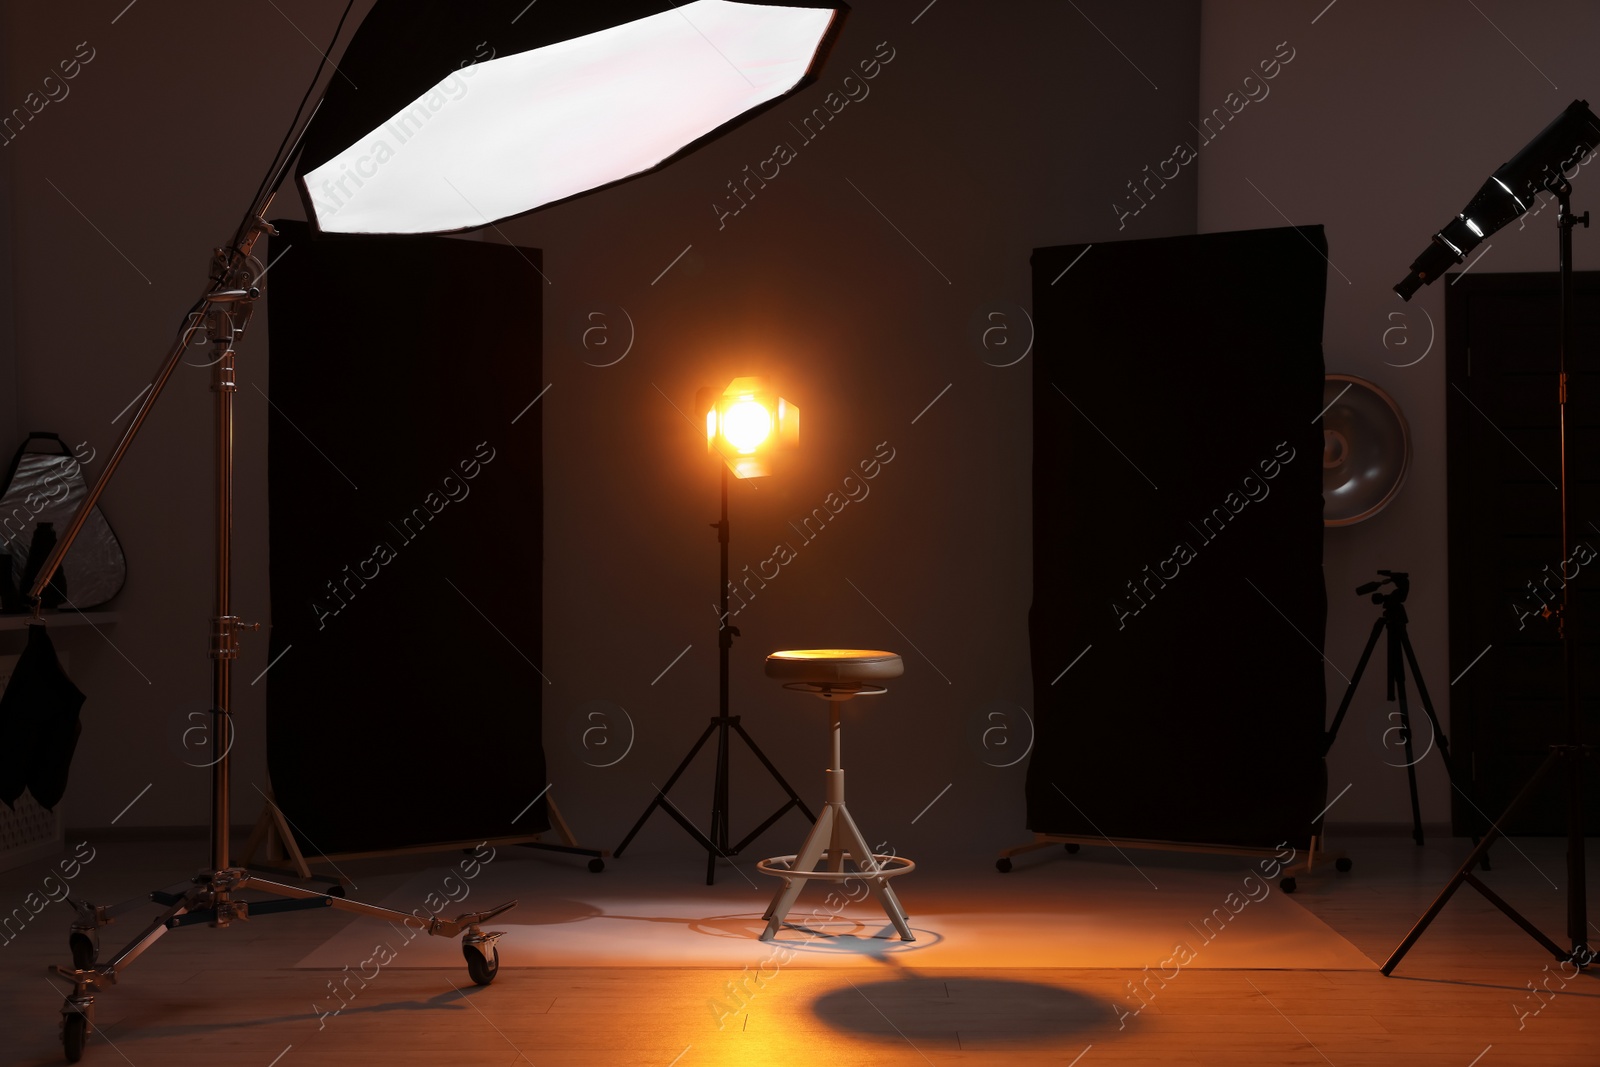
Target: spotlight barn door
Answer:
[[1178, 609], [403, 704]]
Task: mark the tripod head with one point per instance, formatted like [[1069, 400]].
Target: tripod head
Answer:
[[1401, 580]]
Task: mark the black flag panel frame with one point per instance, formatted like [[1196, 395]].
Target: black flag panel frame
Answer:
[[1179, 611]]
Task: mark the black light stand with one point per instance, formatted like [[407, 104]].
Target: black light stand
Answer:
[[716, 843], [1400, 654], [1569, 754]]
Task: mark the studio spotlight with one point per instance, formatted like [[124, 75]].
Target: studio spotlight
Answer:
[[747, 423], [1508, 194]]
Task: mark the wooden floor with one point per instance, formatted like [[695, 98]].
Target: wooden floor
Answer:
[[234, 996]]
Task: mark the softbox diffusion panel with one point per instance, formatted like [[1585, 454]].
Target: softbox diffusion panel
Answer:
[[1178, 611], [403, 700]]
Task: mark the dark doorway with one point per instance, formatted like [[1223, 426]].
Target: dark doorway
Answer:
[[1504, 536]]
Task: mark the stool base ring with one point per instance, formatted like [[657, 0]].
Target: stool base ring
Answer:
[[889, 866]]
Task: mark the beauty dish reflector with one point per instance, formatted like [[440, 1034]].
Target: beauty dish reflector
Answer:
[[1366, 450], [437, 121]]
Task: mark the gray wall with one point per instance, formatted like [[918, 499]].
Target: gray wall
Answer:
[[991, 132], [1381, 129], [986, 135]]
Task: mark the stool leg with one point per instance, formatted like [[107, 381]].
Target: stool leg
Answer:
[[807, 859], [878, 885], [837, 845]]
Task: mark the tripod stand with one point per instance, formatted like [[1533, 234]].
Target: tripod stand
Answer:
[[1400, 654], [1569, 754], [716, 843]]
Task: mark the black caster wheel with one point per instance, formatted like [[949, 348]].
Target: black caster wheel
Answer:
[[1288, 885], [480, 970], [597, 865], [74, 1035], [1072, 848], [83, 950], [1003, 864], [336, 890], [1343, 864]]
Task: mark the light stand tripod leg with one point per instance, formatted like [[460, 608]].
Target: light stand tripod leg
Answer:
[[662, 802], [794, 798], [1464, 874]]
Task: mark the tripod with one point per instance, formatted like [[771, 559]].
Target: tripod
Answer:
[[1568, 755], [1400, 654], [716, 843]]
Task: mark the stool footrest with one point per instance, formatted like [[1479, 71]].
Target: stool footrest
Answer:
[[838, 690], [889, 866]]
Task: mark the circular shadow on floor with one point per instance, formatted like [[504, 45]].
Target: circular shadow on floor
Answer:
[[895, 1010]]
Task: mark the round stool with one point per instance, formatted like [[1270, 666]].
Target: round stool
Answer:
[[835, 675]]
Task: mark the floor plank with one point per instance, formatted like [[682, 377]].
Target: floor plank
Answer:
[[1463, 996]]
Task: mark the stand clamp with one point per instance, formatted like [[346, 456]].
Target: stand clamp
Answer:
[[225, 636]]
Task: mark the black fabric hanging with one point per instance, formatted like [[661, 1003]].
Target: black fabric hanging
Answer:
[[39, 720], [1197, 711]]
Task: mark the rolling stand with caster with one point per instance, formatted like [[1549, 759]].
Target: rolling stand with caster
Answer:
[[212, 896]]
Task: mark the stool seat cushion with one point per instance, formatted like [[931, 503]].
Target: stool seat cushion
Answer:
[[834, 666]]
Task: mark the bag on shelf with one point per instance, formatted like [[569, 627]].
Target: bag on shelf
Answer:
[[42, 494]]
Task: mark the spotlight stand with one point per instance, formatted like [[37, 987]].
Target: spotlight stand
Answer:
[[1570, 753], [716, 843]]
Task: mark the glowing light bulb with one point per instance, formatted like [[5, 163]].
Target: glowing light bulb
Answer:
[[746, 424]]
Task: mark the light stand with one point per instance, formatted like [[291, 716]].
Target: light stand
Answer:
[[212, 896], [1574, 134], [716, 843]]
